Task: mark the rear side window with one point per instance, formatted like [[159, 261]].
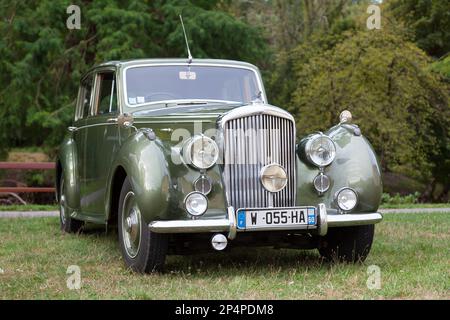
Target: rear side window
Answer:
[[86, 95], [106, 101]]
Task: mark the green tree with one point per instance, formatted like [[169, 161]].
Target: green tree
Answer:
[[41, 61], [386, 83], [429, 21], [310, 26]]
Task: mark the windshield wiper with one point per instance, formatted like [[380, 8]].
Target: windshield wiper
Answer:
[[196, 102], [186, 103]]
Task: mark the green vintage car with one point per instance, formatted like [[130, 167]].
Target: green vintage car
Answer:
[[184, 156]]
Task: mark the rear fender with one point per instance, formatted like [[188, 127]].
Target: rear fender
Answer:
[[67, 158]]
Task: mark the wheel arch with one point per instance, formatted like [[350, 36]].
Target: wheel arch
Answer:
[[116, 183], [66, 164]]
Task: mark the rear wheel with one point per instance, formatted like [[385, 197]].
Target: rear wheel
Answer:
[[142, 250], [67, 223], [347, 244]]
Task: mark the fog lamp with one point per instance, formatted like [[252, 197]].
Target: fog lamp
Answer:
[[346, 199], [196, 204]]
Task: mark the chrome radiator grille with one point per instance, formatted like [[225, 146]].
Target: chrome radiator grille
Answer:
[[250, 143]]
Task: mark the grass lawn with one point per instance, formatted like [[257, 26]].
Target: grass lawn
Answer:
[[412, 252]]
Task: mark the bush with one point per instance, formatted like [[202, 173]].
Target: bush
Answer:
[[397, 199]]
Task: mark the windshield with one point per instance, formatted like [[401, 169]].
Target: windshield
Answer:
[[153, 84]]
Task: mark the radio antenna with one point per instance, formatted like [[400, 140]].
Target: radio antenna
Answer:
[[186, 39]]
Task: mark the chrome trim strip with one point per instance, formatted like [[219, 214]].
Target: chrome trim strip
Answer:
[[93, 125], [190, 226], [355, 219], [254, 110]]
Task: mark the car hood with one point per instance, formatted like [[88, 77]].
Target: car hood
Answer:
[[206, 113], [212, 111]]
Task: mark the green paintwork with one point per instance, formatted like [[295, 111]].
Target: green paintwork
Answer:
[[93, 156], [355, 166]]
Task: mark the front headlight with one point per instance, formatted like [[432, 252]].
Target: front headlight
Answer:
[[320, 150], [202, 152]]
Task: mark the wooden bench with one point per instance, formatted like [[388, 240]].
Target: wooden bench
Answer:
[[26, 166]]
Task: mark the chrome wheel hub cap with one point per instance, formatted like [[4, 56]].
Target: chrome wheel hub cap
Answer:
[[131, 225]]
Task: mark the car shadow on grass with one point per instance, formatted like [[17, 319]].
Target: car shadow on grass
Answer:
[[246, 260], [237, 260]]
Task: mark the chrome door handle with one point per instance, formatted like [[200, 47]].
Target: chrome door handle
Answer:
[[72, 129], [112, 120]]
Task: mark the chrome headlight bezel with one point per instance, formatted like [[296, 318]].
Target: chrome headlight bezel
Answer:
[[189, 156], [310, 145]]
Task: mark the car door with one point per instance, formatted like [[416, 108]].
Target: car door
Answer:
[[102, 138], [79, 134]]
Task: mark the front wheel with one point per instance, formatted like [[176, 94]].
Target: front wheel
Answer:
[[347, 244], [142, 250]]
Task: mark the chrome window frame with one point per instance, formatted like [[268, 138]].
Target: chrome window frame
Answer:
[[97, 72], [82, 90]]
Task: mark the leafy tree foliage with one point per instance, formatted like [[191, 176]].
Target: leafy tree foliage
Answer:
[[317, 26], [385, 81], [317, 58], [429, 21], [42, 61]]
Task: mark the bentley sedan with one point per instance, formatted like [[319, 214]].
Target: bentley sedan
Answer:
[[185, 156]]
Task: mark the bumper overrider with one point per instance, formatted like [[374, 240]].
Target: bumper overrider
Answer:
[[229, 225]]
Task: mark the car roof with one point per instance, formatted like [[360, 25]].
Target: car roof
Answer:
[[137, 62]]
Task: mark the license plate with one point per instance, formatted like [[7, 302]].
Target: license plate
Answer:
[[277, 218]]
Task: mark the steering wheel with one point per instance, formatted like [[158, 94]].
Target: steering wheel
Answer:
[[169, 95]]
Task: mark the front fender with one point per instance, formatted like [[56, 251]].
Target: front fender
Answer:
[[355, 166], [145, 163]]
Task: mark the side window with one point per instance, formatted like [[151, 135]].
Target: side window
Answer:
[[86, 93], [106, 101]]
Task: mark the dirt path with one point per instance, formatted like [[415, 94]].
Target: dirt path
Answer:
[[28, 214]]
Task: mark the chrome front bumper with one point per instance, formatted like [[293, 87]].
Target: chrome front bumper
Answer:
[[229, 225]]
